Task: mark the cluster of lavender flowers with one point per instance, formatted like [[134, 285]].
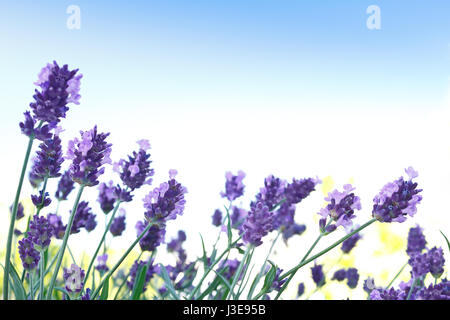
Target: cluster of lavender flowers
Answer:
[[217, 274], [423, 261]]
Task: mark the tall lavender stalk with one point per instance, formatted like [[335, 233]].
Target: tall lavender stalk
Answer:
[[58, 87], [87, 155]]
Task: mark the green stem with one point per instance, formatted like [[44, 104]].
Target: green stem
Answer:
[[41, 280], [411, 289], [71, 254], [238, 272], [241, 286], [126, 277], [255, 282], [305, 262], [102, 240], [303, 259], [30, 274], [44, 187], [13, 220], [64, 243], [396, 276], [106, 278], [210, 268]]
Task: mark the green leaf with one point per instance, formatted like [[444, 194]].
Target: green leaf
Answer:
[[448, 243], [105, 290], [63, 291], [204, 257], [229, 233], [214, 284], [16, 285], [168, 282], [139, 283], [268, 281]]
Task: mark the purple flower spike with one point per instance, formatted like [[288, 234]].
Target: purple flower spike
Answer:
[[136, 171], [175, 244], [101, 264], [350, 243], [291, 230], [153, 238], [228, 268], [234, 188], [118, 225], [122, 194], [20, 211], [387, 294], [352, 278], [65, 187], [272, 192], [339, 275], [318, 275], [59, 86], [49, 158], [29, 128], [257, 224], [369, 285], [300, 189], [40, 202], [166, 202], [40, 232], [440, 291], [88, 156], [416, 241], [301, 289], [277, 283], [397, 199], [28, 254], [420, 265], [87, 295], [340, 209], [58, 227], [437, 261], [106, 196], [217, 218], [237, 217], [84, 218], [134, 270], [74, 278]]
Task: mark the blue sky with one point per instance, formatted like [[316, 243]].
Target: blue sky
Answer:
[[285, 53]]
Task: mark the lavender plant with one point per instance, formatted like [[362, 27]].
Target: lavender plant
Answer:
[[224, 271]]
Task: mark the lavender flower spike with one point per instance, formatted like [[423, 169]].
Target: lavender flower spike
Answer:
[[136, 171], [106, 196], [340, 209], [217, 218], [416, 241], [257, 224], [74, 278], [47, 163], [397, 199], [65, 187], [318, 275], [118, 225], [59, 86], [166, 202], [28, 254], [41, 201], [88, 155], [84, 218], [40, 232], [234, 188]]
